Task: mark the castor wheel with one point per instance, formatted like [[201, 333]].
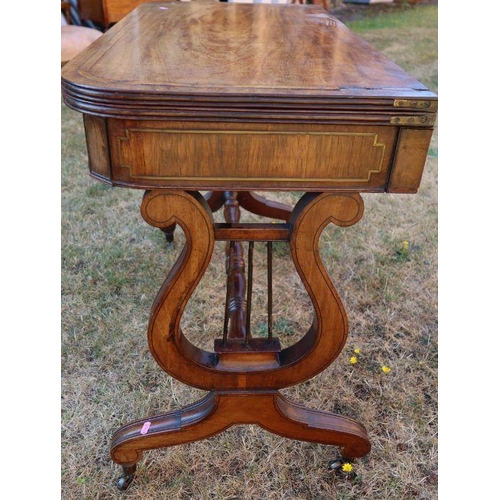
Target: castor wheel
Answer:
[[336, 464], [126, 480], [344, 466]]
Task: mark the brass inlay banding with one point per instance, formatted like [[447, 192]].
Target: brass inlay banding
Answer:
[[377, 169]]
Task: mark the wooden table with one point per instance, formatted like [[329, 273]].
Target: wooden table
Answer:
[[180, 98]]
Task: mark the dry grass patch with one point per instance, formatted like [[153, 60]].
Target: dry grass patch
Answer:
[[113, 266]]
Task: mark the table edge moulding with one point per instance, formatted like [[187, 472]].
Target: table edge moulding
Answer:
[[229, 99]]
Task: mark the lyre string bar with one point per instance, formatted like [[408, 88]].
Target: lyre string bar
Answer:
[[228, 294], [249, 290], [269, 291]]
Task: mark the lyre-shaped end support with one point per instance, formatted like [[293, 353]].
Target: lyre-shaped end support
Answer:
[[243, 378], [297, 363]]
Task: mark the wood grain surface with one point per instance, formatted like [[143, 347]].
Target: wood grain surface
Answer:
[[208, 48]]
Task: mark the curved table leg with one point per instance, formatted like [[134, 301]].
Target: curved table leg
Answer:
[[260, 206], [218, 411], [295, 421]]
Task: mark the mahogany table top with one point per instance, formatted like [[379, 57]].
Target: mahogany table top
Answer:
[[235, 52]]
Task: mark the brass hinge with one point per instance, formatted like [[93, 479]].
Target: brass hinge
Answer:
[[419, 120], [424, 105]]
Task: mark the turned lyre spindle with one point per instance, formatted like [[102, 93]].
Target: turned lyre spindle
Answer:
[[236, 304], [238, 307]]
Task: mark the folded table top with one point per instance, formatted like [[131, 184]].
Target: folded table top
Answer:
[[224, 60]]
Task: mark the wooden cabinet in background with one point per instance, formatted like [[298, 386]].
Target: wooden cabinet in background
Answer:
[[107, 12]]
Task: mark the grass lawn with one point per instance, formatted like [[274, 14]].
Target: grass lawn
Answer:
[[385, 269], [408, 37]]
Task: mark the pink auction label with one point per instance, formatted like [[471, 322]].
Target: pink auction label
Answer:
[[145, 427]]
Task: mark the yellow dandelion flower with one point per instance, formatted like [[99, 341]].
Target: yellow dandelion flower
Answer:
[[357, 351], [386, 369], [406, 246], [347, 467], [353, 360]]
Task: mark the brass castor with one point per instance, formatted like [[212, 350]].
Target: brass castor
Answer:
[[126, 480], [336, 464]]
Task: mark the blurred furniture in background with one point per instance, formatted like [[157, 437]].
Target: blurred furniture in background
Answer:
[[65, 6], [262, 1], [106, 12], [74, 38]]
